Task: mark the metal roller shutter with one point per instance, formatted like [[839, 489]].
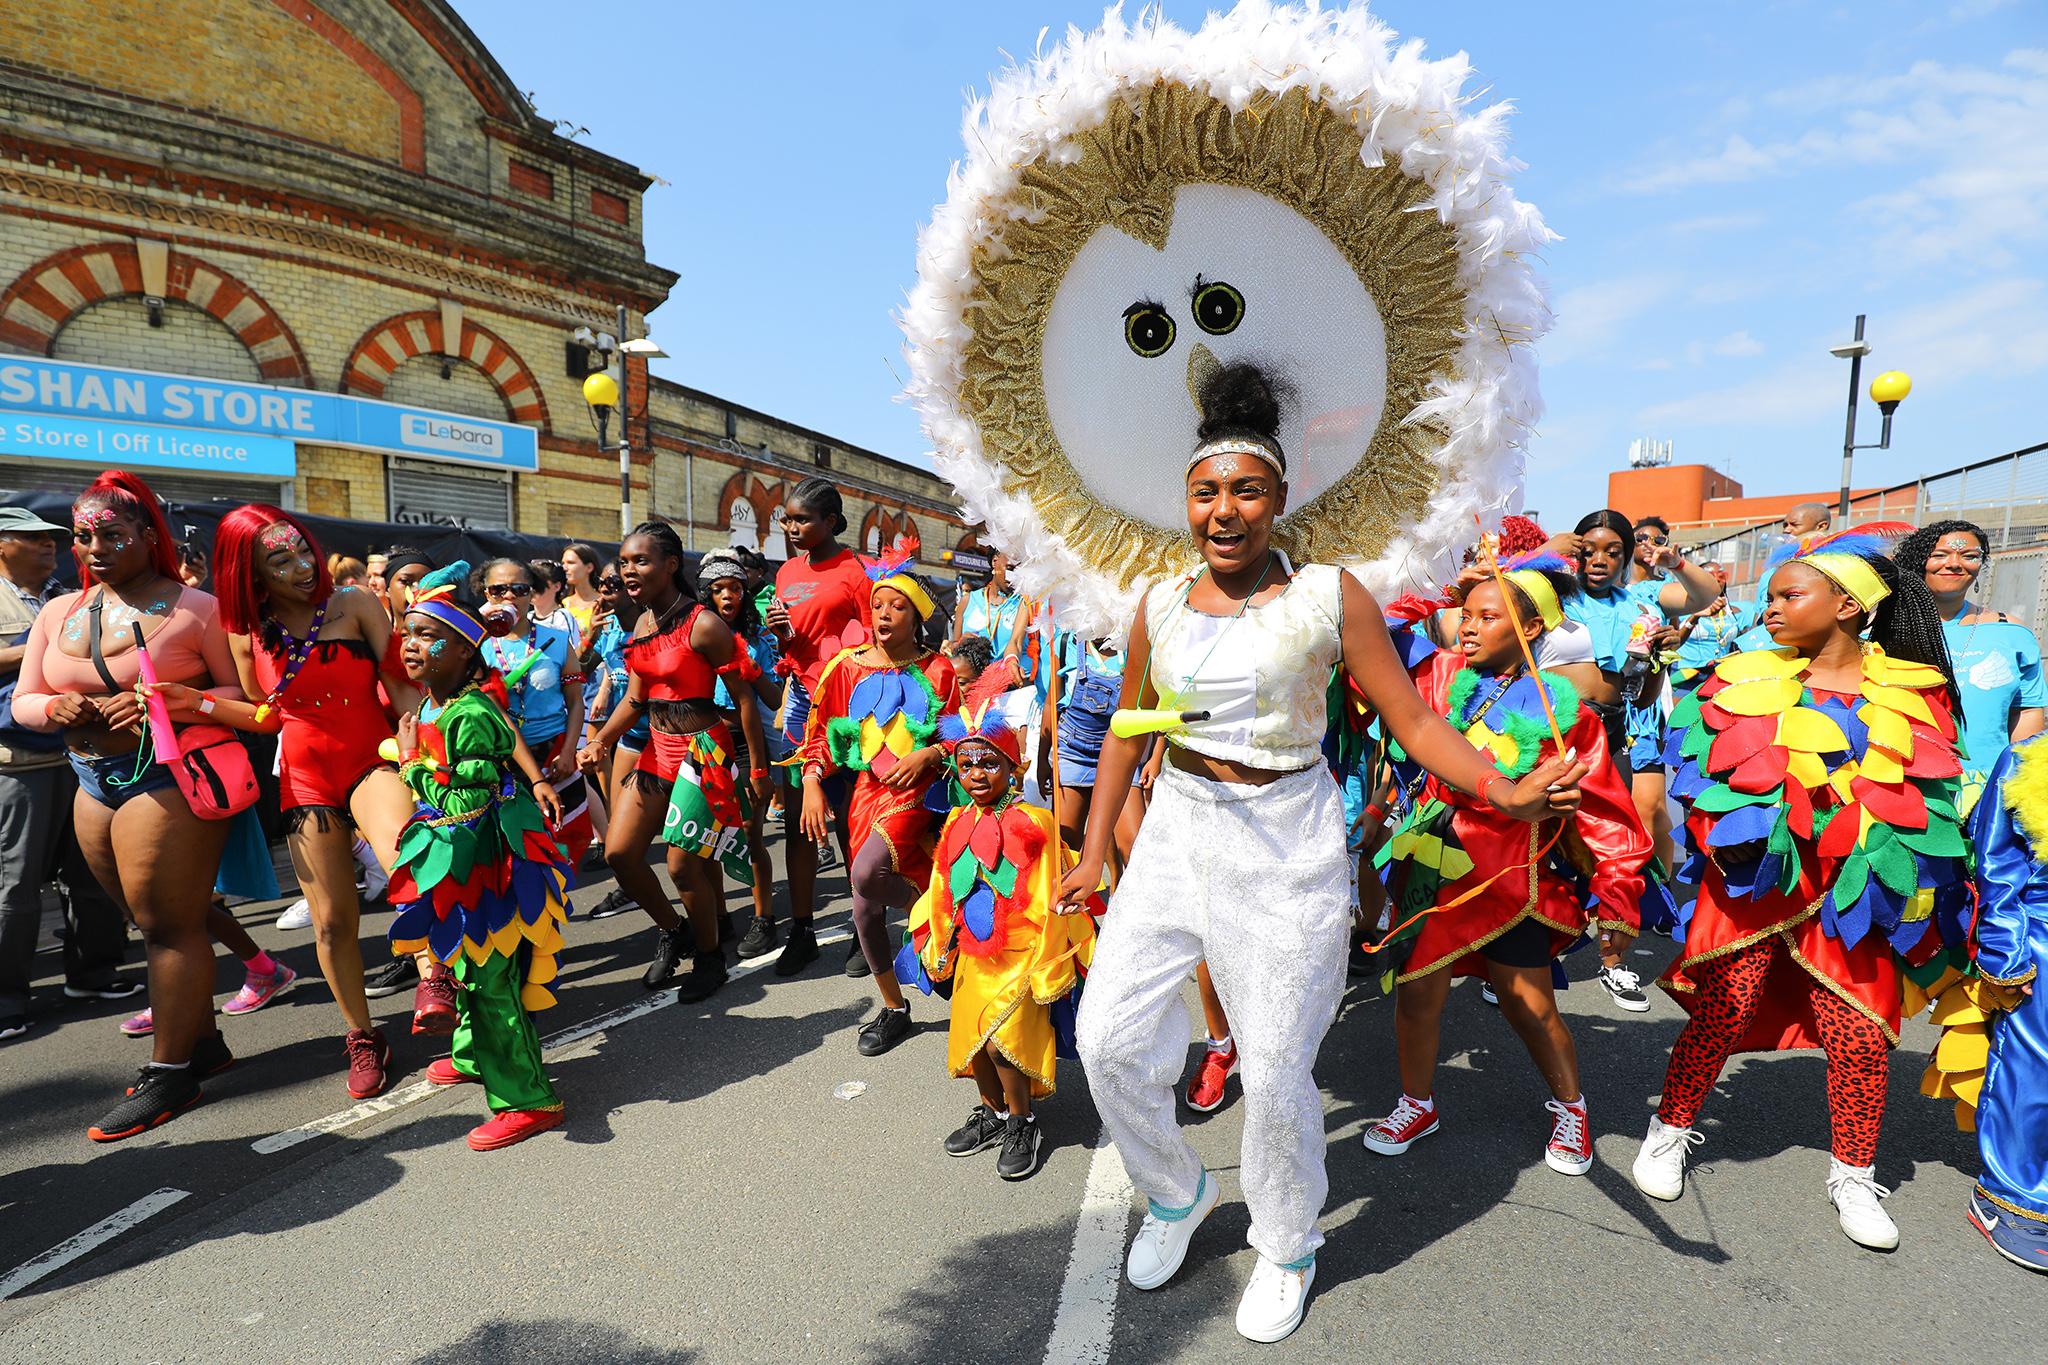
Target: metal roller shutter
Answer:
[[64, 478], [445, 495]]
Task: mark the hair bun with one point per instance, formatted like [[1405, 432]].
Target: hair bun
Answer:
[[1239, 398]]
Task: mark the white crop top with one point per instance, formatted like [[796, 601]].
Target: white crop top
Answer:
[[1263, 676]]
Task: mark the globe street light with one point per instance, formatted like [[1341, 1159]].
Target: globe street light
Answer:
[[1888, 390]]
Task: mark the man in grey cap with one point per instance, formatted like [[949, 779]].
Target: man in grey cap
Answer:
[[36, 786]]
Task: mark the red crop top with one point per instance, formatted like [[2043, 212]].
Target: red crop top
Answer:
[[675, 671]]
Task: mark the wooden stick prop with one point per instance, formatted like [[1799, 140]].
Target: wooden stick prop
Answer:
[[1488, 541]]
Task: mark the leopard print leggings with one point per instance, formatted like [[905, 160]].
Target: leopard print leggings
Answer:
[[1730, 990]]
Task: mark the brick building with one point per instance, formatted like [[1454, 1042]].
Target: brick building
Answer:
[[324, 253]]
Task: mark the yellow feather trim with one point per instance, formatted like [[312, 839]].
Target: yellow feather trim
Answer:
[[2025, 794]]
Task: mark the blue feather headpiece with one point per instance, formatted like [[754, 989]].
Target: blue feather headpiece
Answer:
[[981, 716]]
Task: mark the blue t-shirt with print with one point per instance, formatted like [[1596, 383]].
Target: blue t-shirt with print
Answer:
[[1997, 672], [1609, 619]]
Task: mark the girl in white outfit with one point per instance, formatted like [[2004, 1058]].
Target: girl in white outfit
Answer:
[[1241, 859]]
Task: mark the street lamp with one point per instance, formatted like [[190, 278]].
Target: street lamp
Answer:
[[1888, 390], [603, 393]]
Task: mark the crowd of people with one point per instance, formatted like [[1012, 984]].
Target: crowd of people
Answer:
[[1274, 784]]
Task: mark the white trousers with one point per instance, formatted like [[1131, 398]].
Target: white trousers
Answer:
[[1256, 881]]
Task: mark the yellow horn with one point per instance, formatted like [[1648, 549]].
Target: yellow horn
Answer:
[[1128, 724]]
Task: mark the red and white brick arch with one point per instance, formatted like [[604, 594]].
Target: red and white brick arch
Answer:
[[35, 307], [395, 340]]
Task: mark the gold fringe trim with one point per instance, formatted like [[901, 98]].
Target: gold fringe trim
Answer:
[[2013, 1208]]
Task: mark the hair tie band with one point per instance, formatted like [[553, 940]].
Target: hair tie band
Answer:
[[1270, 452]]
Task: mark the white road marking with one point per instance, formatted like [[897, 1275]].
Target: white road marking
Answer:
[[1087, 1308], [554, 1042], [71, 1248]]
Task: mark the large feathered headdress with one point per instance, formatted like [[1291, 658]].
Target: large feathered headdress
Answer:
[[891, 569], [981, 716], [1844, 556]]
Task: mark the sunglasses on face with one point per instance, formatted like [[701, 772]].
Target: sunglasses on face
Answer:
[[1651, 538], [500, 591], [613, 584]]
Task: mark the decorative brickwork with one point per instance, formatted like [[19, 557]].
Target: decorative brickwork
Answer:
[[394, 340], [46, 295]]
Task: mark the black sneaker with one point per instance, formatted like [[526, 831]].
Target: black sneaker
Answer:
[[759, 940], [983, 1130], [800, 951], [668, 955], [615, 902], [1022, 1143], [210, 1055], [113, 988], [857, 961], [159, 1095], [888, 1028], [14, 1025], [393, 977], [707, 974], [1626, 988], [1359, 962]]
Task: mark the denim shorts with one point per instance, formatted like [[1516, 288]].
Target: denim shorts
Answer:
[[111, 780]]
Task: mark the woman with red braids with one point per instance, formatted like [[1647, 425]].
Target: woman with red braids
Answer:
[[153, 855], [313, 653]]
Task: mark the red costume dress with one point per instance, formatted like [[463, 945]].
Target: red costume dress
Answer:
[[1462, 875], [1826, 851], [333, 721], [864, 720]]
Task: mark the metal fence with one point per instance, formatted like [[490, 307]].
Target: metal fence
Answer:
[[2007, 495]]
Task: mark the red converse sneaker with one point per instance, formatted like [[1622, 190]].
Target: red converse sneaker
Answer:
[[1411, 1121], [514, 1125], [433, 1004], [1571, 1143], [441, 1071], [1205, 1091], [369, 1058]]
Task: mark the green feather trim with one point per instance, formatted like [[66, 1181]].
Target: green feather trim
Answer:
[[842, 740], [1463, 684]]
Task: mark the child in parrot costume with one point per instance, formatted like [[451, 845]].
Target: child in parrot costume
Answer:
[[481, 882], [990, 925]]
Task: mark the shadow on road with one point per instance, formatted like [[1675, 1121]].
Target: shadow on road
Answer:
[[554, 1339]]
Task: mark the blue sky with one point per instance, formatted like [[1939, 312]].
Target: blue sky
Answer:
[[1733, 184]]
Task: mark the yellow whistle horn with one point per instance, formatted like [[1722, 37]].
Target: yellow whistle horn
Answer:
[[1127, 724]]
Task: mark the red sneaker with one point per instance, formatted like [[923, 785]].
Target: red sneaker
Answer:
[[433, 1004], [1205, 1091], [1411, 1121], [441, 1071], [514, 1125], [369, 1058], [1571, 1142]]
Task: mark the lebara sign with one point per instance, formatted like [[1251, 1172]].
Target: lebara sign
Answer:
[[38, 397]]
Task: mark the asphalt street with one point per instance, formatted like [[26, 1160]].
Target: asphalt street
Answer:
[[713, 1198]]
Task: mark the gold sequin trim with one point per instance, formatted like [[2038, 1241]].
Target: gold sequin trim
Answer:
[[1126, 170]]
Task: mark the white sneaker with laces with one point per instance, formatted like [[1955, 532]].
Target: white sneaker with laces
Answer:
[[1162, 1244], [1626, 988], [297, 915], [1659, 1170], [1274, 1300], [1854, 1192]]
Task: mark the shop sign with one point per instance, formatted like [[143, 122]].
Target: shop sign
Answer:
[[118, 445]]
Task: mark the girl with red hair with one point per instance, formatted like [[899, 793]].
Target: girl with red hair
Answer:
[[155, 857], [313, 654]]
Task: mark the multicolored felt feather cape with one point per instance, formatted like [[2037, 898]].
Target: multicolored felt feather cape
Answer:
[[478, 870], [1859, 792]]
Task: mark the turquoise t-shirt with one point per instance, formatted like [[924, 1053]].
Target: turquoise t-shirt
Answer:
[[1609, 619], [1998, 672], [1712, 637]]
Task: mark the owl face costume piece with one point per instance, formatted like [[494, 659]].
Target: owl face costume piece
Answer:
[[1143, 205]]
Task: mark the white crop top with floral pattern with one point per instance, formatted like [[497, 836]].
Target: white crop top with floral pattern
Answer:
[[1263, 676]]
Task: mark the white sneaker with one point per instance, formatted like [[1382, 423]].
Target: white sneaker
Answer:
[[1626, 988], [1660, 1166], [1854, 1193], [297, 915], [1161, 1245], [1274, 1301]]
